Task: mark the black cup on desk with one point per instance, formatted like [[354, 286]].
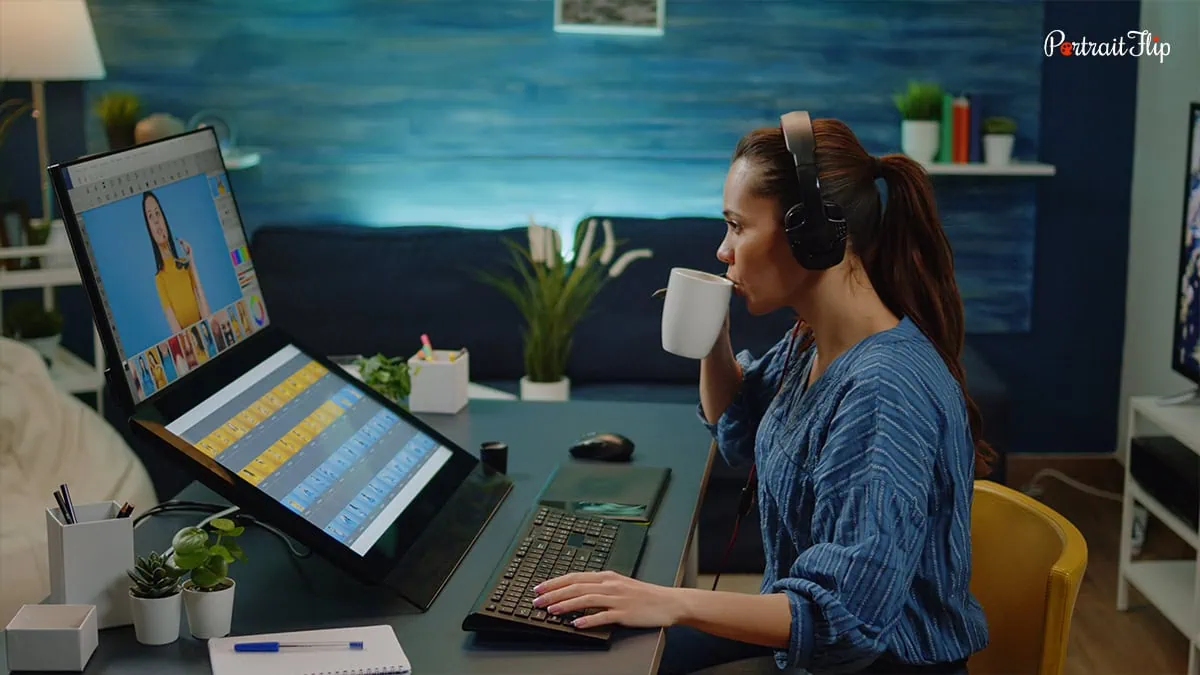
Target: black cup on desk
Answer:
[[495, 455]]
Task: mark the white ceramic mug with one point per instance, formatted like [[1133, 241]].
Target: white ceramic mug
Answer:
[[694, 311]]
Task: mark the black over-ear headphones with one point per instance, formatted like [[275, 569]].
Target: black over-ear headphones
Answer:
[[815, 228]]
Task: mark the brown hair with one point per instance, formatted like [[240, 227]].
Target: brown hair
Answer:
[[904, 250]]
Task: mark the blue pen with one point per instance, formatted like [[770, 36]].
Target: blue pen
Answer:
[[276, 646]]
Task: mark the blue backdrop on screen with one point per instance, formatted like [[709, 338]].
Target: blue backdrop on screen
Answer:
[[124, 255]]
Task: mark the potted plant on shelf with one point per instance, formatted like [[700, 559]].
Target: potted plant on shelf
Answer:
[[389, 376], [28, 321], [920, 109], [553, 295], [119, 111], [208, 591], [999, 134], [155, 598]]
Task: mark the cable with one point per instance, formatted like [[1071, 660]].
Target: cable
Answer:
[[1034, 490], [217, 511]]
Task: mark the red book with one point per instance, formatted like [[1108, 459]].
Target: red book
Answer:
[[962, 131]]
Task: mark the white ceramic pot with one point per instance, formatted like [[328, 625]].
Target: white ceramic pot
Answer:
[[156, 620], [545, 391], [209, 613], [59, 255], [920, 139], [997, 148], [46, 346]]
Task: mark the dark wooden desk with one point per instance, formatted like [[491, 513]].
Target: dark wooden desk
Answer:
[[278, 592]]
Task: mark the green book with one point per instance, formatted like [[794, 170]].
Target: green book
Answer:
[[946, 142]]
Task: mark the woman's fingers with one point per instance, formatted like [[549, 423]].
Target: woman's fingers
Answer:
[[582, 602], [566, 593]]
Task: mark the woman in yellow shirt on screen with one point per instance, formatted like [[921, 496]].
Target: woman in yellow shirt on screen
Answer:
[[178, 284]]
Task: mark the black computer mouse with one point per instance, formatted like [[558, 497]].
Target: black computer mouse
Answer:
[[603, 446]]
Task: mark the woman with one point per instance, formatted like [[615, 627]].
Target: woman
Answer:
[[178, 283], [864, 442]]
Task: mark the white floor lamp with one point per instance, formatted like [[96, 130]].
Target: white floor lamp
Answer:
[[43, 41]]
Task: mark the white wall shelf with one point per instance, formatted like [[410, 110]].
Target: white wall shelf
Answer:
[[1032, 169], [69, 372], [1168, 585]]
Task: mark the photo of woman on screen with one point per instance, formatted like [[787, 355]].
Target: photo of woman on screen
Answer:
[[178, 283]]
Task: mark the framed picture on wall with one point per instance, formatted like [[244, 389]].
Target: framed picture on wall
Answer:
[[617, 17], [14, 230]]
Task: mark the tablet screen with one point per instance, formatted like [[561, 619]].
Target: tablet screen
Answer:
[[317, 444]]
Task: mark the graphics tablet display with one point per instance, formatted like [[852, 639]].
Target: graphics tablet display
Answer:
[[317, 445]]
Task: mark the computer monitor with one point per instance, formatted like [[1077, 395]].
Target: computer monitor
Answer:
[[274, 427], [1185, 352]]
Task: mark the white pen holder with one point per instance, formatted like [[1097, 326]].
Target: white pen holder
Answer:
[[440, 385], [89, 559]]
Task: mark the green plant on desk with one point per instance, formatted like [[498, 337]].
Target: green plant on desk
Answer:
[[207, 565], [391, 377], [153, 577]]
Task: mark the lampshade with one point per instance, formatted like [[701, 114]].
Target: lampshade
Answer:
[[48, 40]]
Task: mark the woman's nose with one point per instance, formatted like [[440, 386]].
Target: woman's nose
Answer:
[[725, 253]]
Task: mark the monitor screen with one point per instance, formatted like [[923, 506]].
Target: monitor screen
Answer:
[[316, 444], [1186, 356], [168, 251]]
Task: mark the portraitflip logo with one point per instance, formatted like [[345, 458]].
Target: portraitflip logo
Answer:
[[1134, 43]]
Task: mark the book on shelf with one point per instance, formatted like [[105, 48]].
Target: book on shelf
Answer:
[[962, 129]]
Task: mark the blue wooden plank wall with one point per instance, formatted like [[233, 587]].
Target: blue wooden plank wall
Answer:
[[475, 112]]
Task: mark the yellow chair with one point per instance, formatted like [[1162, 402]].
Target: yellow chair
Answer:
[[1028, 562]]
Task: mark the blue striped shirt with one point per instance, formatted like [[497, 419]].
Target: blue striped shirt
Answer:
[[864, 493]]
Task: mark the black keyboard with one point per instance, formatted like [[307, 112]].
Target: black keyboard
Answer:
[[551, 543]]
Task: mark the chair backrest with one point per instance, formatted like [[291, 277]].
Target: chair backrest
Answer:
[[1028, 562]]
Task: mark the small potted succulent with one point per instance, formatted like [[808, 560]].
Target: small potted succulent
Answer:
[[999, 134], [203, 554], [390, 376], [155, 599], [119, 111]]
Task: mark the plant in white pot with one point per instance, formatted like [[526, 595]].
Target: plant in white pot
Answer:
[[155, 598], [208, 591], [920, 108], [553, 295], [28, 321], [999, 135]]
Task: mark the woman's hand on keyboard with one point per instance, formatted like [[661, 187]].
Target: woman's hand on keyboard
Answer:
[[612, 599]]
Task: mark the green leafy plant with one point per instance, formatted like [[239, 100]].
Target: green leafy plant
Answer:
[[118, 109], [29, 320], [999, 125], [552, 294], [153, 577], [207, 565], [921, 101], [390, 376]]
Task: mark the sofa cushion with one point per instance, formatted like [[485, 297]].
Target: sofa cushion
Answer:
[[620, 339], [320, 283]]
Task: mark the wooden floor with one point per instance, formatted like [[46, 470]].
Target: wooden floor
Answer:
[[1103, 640]]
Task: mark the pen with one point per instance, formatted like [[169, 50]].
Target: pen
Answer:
[[62, 506], [125, 510], [428, 346], [66, 495], [276, 646]]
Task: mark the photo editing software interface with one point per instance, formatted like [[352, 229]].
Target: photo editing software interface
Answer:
[[169, 254], [316, 444]]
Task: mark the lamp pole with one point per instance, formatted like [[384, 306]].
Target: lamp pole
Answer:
[[39, 114]]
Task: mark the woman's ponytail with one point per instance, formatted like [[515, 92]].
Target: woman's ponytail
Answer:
[[911, 266]]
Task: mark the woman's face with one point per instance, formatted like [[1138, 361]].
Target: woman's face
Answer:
[[755, 249], [158, 224]]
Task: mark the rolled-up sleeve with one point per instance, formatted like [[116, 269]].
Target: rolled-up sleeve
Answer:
[[735, 429]]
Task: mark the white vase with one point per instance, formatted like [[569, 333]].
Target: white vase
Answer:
[[156, 620], [46, 346], [545, 391], [997, 148], [59, 245], [209, 613], [920, 139]]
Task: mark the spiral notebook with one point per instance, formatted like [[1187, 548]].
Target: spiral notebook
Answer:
[[381, 654]]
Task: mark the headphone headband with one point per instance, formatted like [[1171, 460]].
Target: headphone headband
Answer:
[[797, 134]]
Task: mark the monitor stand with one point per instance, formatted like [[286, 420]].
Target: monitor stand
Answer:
[[427, 566], [1189, 396]]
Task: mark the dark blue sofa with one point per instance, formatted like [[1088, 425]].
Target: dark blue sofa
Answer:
[[355, 290]]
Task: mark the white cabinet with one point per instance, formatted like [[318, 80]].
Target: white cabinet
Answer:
[[1169, 585], [69, 371]]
